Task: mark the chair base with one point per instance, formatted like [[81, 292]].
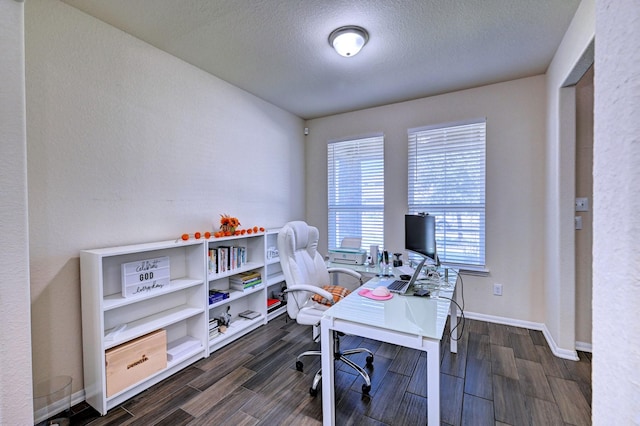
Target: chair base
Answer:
[[339, 356]]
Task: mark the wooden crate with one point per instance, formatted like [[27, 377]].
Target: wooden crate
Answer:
[[135, 360]]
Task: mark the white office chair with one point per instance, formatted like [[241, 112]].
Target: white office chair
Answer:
[[305, 273]]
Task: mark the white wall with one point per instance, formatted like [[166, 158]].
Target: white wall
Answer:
[[515, 113], [128, 144], [560, 171], [15, 330], [616, 246]]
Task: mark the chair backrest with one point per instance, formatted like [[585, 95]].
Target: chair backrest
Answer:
[[301, 262]]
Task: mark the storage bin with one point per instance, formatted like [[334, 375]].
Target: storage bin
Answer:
[[52, 397], [135, 360]]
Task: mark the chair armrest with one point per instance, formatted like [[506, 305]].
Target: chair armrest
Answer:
[[347, 271], [311, 288]]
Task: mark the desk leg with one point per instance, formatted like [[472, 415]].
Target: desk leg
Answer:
[[453, 320], [328, 373], [433, 383]]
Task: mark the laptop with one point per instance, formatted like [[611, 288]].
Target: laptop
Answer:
[[395, 285]]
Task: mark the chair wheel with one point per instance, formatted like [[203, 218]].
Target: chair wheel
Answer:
[[299, 365], [366, 389], [313, 392], [370, 361]]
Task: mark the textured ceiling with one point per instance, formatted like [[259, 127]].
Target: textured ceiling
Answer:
[[278, 49]]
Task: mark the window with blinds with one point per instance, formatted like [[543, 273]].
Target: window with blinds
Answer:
[[447, 179], [356, 190]]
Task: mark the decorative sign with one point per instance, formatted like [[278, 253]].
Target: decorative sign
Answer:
[[145, 276]]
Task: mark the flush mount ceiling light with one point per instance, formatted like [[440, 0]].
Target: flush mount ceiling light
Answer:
[[348, 41]]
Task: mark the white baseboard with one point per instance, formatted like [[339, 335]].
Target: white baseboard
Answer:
[[559, 352], [57, 407], [584, 347]]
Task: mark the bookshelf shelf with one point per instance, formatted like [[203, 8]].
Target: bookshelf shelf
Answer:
[[247, 267], [275, 278], [273, 260], [236, 329], [277, 312], [116, 300], [237, 294], [152, 322]]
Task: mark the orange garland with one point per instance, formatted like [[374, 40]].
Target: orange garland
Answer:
[[219, 234]]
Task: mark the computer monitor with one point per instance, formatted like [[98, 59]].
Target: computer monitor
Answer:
[[420, 237]]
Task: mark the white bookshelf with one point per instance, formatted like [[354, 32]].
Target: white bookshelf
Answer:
[[253, 298], [181, 308]]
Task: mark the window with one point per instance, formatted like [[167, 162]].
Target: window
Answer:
[[447, 180], [356, 190]]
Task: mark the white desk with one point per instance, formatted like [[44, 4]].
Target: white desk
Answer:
[[413, 322]]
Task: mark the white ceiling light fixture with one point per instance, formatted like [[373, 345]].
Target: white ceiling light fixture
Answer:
[[348, 41]]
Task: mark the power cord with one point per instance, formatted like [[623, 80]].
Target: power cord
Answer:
[[460, 322]]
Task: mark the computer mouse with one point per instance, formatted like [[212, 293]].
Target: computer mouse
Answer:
[[381, 291], [404, 277]]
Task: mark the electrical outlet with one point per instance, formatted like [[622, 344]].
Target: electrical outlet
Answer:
[[582, 204], [497, 289]]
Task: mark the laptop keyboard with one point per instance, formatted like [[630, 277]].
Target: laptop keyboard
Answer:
[[397, 285]]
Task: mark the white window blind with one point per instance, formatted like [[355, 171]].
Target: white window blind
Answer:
[[356, 190], [447, 180]]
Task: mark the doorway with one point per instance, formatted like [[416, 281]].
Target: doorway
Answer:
[[584, 189]]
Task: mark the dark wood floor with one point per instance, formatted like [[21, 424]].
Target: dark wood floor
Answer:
[[501, 375]]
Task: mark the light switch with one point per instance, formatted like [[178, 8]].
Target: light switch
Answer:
[[578, 220], [582, 204]]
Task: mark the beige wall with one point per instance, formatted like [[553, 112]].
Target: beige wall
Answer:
[[15, 331], [515, 113], [128, 144], [584, 188]]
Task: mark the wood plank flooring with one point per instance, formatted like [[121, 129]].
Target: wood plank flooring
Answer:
[[501, 375]]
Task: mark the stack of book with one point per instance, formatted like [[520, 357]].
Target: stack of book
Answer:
[[214, 329], [245, 280], [217, 296], [273, 304]]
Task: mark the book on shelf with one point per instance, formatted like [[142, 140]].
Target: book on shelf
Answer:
[[249, 314], [217, 296], [226, 258], [213, 260], [247, 283], [213, 323], [246, 276], [223, 256], [214, 328], [245, 280], [273, 302], [243, 256], [245, 286]]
